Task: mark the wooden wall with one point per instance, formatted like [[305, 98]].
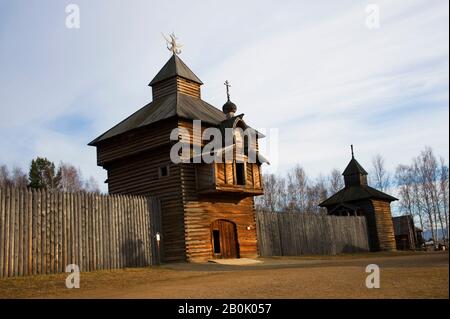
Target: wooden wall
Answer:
[[42, 232], [138, 175], [405, 232], [176, 85], [187, 128], [379, 224], [205, 176], [384, 225], [294, 234], [201, 211], [135, 142]]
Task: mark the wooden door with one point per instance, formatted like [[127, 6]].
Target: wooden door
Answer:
[[224, 239]]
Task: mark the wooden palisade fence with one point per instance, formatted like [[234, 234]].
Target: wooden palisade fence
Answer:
[[293, 234], [41, 232]]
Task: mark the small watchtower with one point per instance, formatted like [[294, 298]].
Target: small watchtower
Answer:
[[357, 198]]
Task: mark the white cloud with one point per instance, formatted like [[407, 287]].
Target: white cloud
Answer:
[[311, 69]]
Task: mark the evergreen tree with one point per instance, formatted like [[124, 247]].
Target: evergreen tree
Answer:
[[42, 174]]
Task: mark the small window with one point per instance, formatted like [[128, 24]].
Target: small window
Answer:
[[164, 171], [240, 174], [216, 240]]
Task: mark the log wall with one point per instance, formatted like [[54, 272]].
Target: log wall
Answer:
[[201, 211], [294, 234], [384, 225], [41, 232], [139, 175]]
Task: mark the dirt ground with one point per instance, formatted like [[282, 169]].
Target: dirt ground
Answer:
[[403, 275]]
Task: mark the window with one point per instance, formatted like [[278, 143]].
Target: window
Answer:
[[163, 171], [216, 240], [240, 174]]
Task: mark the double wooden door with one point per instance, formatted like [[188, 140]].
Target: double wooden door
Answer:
[[224, 239]]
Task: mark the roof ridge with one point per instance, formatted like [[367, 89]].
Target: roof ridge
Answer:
[[177, 107]]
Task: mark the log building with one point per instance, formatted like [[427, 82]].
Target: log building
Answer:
[[407, 236], [357, 198], [207, 208]]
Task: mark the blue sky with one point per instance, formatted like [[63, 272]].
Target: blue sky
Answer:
[[312, 69]]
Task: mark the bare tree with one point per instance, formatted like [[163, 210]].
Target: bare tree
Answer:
[[425, 194], [297, 184], [91, 185], [282, 196], [19, 178], [15, 179], [444, 192], [316, 192], [416, 194], [336, 182], [426, 170], [274, 198], [70, 178], [380, 175], [404, 176], [5, 178], [267, 202]]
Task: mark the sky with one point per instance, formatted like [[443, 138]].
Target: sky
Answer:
[[313, 71]]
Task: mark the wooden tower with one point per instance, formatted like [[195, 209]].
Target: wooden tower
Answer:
[[357, 198], [207, 209]]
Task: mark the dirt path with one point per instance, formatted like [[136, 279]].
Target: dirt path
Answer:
[[414, 276]]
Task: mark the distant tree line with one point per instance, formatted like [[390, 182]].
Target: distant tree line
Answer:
[[297, 192], [423, 190], [43, 174], [421, 186]]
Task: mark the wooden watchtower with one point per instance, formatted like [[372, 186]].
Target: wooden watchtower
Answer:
[[357, 198], [207, 208]]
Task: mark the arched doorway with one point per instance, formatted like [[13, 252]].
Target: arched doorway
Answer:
[[224, 239]]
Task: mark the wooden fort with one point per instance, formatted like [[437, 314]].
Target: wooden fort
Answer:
[[357, 198], [207, 209]]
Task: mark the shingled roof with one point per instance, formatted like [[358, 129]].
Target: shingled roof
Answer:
[[175, 67], [181, 105], [355, 193]]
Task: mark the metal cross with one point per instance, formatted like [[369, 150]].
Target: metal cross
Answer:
[[172, 44], [228, 85], [351, 146]]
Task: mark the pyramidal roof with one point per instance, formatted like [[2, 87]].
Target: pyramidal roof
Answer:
[[354, 168], [175, 67], [356, 193]]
